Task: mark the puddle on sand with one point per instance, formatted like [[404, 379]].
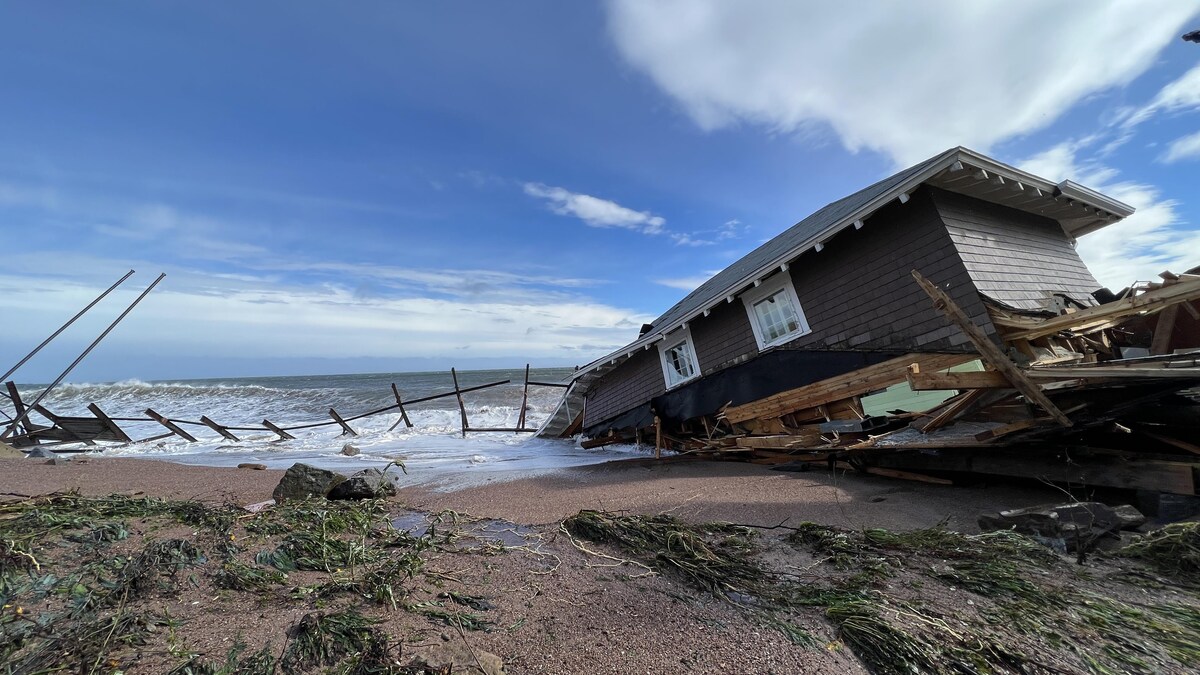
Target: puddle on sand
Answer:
[[507, 534]]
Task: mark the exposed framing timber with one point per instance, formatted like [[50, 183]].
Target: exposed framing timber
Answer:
[[989, 351]]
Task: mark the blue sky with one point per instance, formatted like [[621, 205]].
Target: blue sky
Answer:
[[383, 186]]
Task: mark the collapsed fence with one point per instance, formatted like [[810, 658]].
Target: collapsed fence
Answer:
[[66, 430]]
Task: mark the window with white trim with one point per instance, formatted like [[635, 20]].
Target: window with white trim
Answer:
[[774, 312], [678, 358]]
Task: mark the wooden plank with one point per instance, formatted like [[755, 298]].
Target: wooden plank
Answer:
[[109, 424], [403, 414], [612, 439], [953, 410], [71, 432], [897, 473], [225, 433], [462, 407], [1011, 428], [1094, 318], [574, 427], [980, 379], [1182, 445], [174, 428], [18, 409], [341, 422], [658, 437], [1164, 330], [854, 383], [1088, 372], [283, 435], [808, 437], [990, 353]]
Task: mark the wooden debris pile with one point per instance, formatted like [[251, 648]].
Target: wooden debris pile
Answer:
[[1105, 395]]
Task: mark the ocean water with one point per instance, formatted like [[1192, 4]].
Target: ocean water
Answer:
[[433, 450]]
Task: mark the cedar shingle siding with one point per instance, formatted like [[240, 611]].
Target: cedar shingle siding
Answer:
[[1013, 256], [858, 293]]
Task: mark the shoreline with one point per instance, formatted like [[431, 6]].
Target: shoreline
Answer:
[[697, 491]]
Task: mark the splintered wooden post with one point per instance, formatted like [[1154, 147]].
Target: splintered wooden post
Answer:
[[462, 407], [109, 424], [225, 433], [174, 428], [524, 399], [990, 353], [658, 438], [345, 427], [283, 435], [403, 414]]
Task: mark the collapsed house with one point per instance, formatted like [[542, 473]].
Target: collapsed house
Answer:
[[918, 325]]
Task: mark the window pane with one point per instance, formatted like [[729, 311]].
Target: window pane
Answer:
[[679, 362], [776, 317]]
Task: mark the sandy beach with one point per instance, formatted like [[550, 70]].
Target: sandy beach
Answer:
[[547, 599]]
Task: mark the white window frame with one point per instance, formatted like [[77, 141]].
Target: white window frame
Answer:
[[769, 287], [683, 335]]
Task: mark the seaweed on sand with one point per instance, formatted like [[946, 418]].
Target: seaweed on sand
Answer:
[[1172, 549]]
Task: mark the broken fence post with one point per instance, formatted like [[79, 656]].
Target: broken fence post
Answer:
[[403, 414], [174, 428], [225, 433], [345, 427], [462, 407], [283, 435], [109, 423], [524, 400]]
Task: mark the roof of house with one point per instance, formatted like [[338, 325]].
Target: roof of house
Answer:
[[1078, 209]]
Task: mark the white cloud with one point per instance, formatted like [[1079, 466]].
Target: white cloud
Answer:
[[595, 211], [687, 283], [1186, 147], [1136, 248], [907, 79], [1182, 94]]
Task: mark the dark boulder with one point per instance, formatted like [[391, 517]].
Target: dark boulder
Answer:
[[366, 484], [303, 481]]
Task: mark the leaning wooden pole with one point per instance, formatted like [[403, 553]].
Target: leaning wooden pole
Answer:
[[462, 407], [524, 400], [225, 433], [346, 430], [283, 435], [174, 428], [81, 357], [400, 405], [109, 424], [990, 353]]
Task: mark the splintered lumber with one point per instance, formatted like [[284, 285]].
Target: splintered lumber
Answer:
[[600, 442], [342, 423], [174, 428], [952, 410], [283, 435], [807, 436], [225, 433], [1163, 330], [574, 427], [109, 424], [989, 351], [1110, 371], [1104, 316], [854, 383]]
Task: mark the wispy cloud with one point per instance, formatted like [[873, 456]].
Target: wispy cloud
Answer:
[[687, 283], [1182, 94], [1186, 147], [906, 79], [594, 211]]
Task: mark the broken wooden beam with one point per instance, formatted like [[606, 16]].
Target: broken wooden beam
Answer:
[[979, 379], [1096, 318], [174, 428], [988, 350]]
